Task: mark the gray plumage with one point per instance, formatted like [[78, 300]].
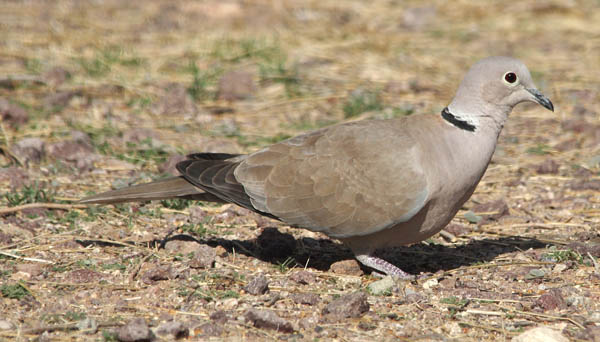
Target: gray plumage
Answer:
[[372, 184]]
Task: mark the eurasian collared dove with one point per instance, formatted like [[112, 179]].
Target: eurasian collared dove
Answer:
[[371, 184]]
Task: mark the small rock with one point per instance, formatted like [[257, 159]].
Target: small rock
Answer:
[[56, 76], [58, 100], [135, 330], [176, 100], [305, 298], [266, 319], [382, 286], [236, 85], [219, 316], [258, 285], [585, 184], [44, 337], [584, 248], [31, 269], [430, 283], [16, 176], [412, 296], [457, 229], [308, 323], [275, 245], [184, 247], [209, 329], [160, 272], [169, 167], [76, 152], [227, 304], [558, 268], [204, 257], [549, 166], [471, 217], [174, 328], [84, 276], [12, 114], [197, 214], [348, 267], [351, 305], [221, 251], [29, 150], [367, 326], [5, 325], [491, 210], [89, 325], [303, 277], [540, 334], [551, 300]]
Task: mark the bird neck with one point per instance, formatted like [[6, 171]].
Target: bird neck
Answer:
[[480, 121], [457, 121]]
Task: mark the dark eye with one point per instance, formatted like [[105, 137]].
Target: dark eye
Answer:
[[510, 77]]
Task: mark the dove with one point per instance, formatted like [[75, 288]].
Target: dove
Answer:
[[371, 184]]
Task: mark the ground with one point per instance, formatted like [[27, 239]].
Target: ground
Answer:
[[96, 95]]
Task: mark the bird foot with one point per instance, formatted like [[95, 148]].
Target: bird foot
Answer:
[[382, 266]]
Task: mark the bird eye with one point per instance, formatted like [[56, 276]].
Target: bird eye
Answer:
[[510, 77]]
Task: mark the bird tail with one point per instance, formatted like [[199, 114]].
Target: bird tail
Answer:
[[174, 187]]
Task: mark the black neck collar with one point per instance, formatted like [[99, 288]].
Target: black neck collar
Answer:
[[457, 122]]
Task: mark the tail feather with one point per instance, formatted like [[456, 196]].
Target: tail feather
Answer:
[[174, 187]]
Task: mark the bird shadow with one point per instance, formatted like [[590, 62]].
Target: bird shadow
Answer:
[[278, 248]]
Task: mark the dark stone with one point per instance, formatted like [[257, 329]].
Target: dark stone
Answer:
[[17, 177], [12, 114], [79, 153], [135, 330], [265, 319], [551, 300], [549, 166], [491, 210], [584, 248], [219, 316], [305, 298], [348, 306], [258, 285], [174, 328], [457, 229], [29, 150], [303, 277], [84, 276], [161, 272], [348, 267], [204, 257], [585, 184], [209, 329]]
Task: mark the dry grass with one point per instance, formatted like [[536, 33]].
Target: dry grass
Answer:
[[309, 61]]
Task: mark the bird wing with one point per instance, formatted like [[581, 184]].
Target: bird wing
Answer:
[[346, 180]]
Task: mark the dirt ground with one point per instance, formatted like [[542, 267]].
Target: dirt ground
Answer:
[[96, 95]]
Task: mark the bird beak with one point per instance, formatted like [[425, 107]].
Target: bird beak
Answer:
[[541, 99]]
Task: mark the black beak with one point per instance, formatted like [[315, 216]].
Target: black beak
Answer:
[[541, 99]]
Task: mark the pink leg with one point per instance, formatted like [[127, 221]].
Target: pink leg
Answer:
[[383, 266]]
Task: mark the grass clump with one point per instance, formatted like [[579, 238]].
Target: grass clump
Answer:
[[360, 102], [14, 291], [29, 194]]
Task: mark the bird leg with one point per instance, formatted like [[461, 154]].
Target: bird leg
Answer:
[[383, 266]]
